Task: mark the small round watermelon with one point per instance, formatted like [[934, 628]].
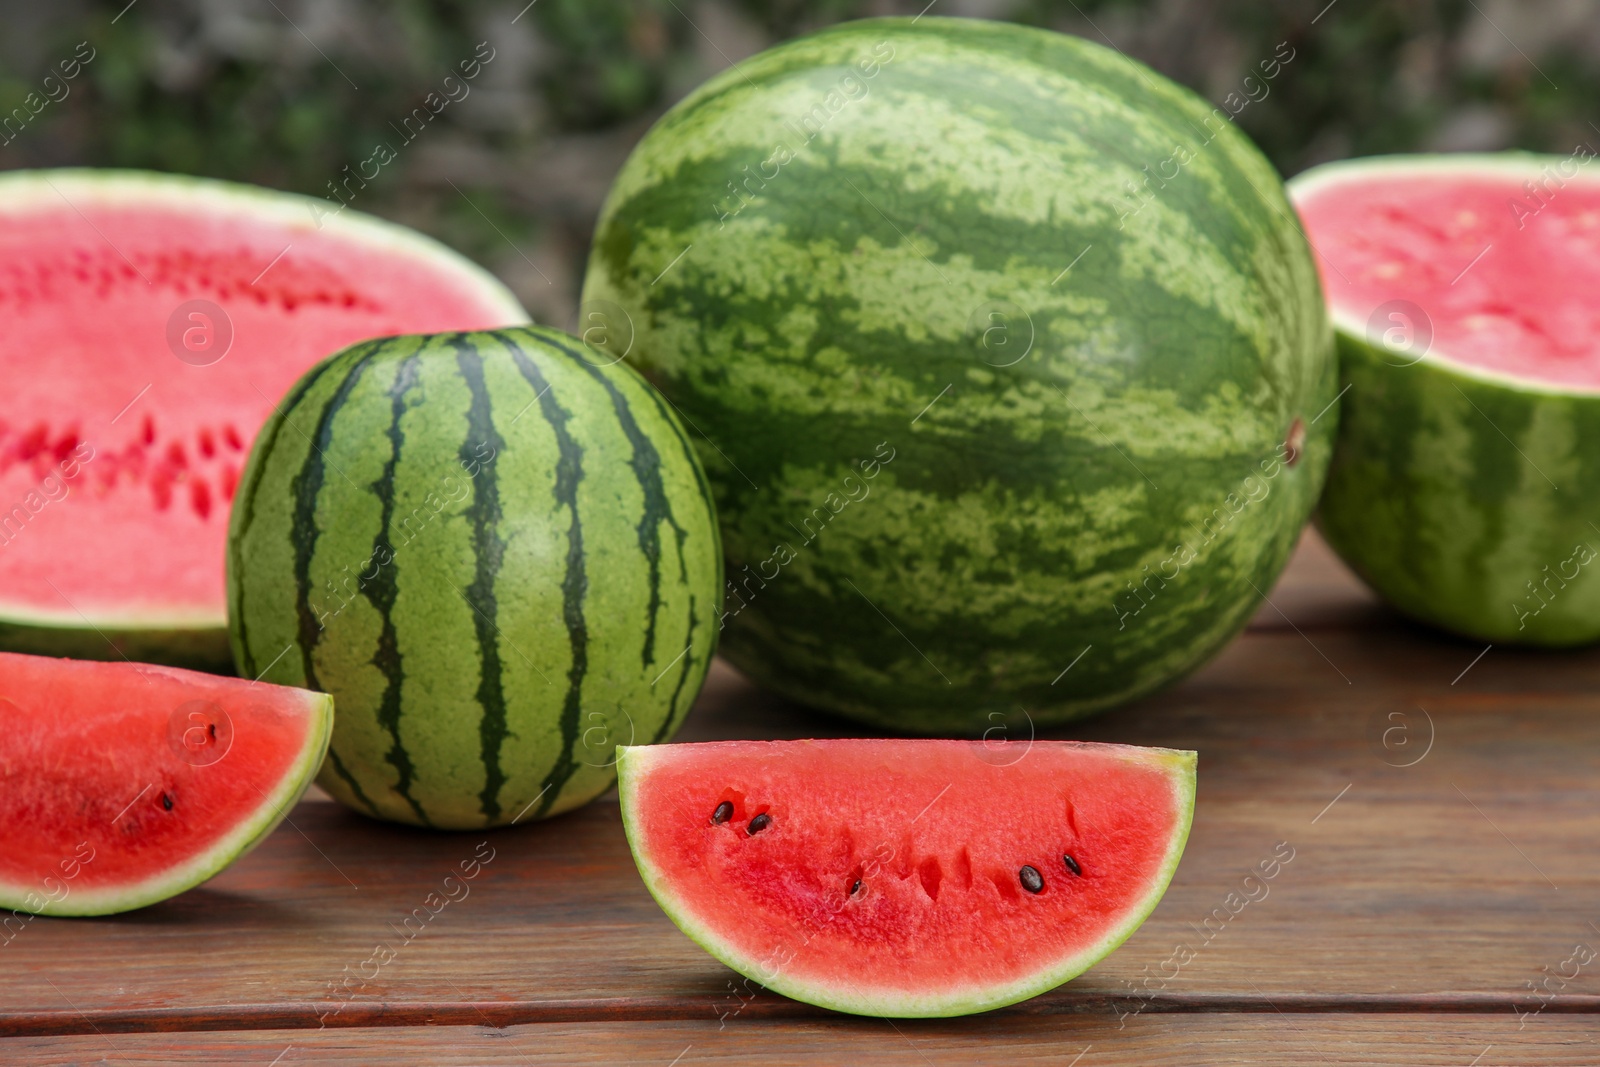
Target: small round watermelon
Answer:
[[1463, 293], [1006, 358], [498, 553]]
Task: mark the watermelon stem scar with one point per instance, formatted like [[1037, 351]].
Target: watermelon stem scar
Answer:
[[1294, 442]]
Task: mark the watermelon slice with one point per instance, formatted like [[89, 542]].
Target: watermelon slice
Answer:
[[151, 325], [907, 878], [1464, 485], [123, 784]]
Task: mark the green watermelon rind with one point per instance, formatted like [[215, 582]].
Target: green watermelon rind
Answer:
[[192, 639], [1180, 766], [1435, 495], [179, 641], [798, 326], [250, 832]]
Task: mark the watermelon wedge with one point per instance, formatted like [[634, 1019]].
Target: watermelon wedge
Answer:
[[1465, 486], [152, 323], [907, 878], [122, 784]]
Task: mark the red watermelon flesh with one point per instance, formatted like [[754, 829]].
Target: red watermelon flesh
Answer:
[[1500, 256], [121, 441], [886, 877], [122, 784]]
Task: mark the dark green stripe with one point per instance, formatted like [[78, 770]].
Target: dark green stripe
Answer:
[[245, 496], [646, 464], [574, 583], [306, 488], [670, 722], [488, 550], [349, 779], [384, 587], [671, 420], [704, 486]]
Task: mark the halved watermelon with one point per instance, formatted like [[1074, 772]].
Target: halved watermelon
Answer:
[[907, 878], [122, 784], [1465, 483], [151, 325]]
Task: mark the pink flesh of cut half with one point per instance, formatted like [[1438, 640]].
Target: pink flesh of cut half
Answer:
[[1499, 254], [122, 435]]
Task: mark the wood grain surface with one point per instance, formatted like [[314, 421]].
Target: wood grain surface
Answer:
[[1438, 800], [1256, 1040]]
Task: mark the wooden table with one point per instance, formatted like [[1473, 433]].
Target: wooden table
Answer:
[[1421, 904]]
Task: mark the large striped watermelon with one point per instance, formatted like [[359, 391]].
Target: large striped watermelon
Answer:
[[1008, 354], [1463, 487], [151, 322], [496, 550]]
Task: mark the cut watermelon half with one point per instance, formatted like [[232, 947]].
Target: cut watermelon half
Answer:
[[122, 784], [1499, 254], [151, 325], [1465, 485], [907, 878]]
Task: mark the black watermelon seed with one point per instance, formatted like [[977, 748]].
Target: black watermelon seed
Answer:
[[1031, 879], [759, 823], [855, 887], [166, 801], [723, 813], [1072, 864]]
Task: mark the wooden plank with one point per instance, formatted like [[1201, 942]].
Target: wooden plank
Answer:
[[1422, 887], [1269, 1040]]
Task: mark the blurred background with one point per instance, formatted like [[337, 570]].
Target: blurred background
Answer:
[[512, 168]]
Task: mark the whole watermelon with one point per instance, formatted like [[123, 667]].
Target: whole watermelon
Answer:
[[1006, 358], [497, 552]]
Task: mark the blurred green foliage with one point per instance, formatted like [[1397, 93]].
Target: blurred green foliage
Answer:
[[287, 93]]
